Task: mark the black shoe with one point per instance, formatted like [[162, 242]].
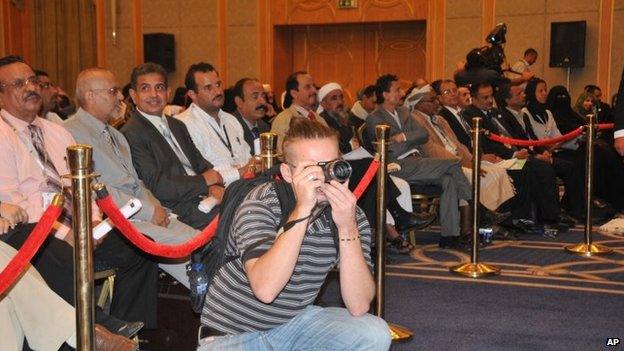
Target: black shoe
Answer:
[[502, 233], [527, 226], [453, 243], [198, 281], [405, 221], [129, 330], [567, 219], [489, 218]]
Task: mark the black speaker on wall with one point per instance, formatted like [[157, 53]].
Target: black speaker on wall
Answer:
[[567, 44], [160, 48]]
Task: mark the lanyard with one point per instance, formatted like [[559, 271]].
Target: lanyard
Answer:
[[225, 142]]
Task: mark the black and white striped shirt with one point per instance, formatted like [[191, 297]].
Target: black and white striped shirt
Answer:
[[231, 306]]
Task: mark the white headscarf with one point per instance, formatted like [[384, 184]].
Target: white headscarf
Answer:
[[326, 89], [416, 95]]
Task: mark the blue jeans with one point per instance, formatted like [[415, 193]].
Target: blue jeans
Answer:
[[314, 329]]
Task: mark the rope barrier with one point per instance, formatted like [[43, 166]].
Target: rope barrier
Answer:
[[139, 240], [106, 204], [22, 258], [542, 142]]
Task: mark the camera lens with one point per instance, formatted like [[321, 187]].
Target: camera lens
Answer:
[[338, 170]]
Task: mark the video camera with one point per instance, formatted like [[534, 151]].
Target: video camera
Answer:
[[494, 55]]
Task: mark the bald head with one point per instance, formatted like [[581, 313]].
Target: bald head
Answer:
[[97, 93]]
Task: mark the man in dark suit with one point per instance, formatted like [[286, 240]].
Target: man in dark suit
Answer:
[[536, 182], [251, 107], [405, 140], [448, 96], [163, 153]]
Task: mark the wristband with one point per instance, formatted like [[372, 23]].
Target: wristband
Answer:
[[351, 238], [292, 223]]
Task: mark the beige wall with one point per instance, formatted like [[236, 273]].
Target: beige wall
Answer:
[[242, 40], [463, 32], [120, 56], [2, 44], [617, 46], [528, 23]]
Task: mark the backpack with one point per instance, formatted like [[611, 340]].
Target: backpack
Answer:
[[213, 255]]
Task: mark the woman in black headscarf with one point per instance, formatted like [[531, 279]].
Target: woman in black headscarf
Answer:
[[559, 103]]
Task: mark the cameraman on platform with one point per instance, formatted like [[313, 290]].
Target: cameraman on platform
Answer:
[[262, 299]]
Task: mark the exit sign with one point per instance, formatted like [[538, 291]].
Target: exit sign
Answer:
[[347, 4]]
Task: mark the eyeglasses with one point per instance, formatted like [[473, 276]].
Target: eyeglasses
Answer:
[[46, 85], [111, 91], [21, 83], [449, 91]]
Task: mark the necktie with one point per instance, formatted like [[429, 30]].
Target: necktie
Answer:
[[255, 132], [181, 156], [110, 140], [312, 116], [53, 179]]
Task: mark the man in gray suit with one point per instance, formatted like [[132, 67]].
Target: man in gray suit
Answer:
[[405, 140], [99, 98]]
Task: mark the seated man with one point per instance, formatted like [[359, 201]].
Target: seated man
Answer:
[[535, 183], [217, 134], [99, 100], [404, 148], [251, 106], [361, 108], [30, 309], [280, 268], [32, 160], [164, 155]]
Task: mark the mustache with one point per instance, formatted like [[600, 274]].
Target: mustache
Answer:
[[32, 94], [261, 107], [220, 96]]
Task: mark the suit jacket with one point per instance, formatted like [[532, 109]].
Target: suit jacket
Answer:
[[489, 146], [434, 147], [415, 135], [281, 123], [163, 173], [117, 172], [345, 133], [459, 131], [618, 109], [263, 127]]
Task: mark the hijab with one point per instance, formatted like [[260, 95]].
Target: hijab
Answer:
[[536, 108], [560, 104]]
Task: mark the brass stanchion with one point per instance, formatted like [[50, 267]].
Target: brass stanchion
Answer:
[[398, 333], [587, 248], [474, 269], [268, 145], [80, 164]]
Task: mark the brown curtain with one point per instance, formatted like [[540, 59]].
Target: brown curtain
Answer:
[[64, 41]]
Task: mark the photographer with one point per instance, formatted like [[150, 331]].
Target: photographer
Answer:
[[263, 298]]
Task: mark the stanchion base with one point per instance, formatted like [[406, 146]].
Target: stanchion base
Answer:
[[587, 249], [475, 270], [399, 333]]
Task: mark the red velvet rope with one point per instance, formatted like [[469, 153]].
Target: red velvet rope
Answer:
[[366, 179], [542, 142], [22, 258], [107, 205], [139, 240]]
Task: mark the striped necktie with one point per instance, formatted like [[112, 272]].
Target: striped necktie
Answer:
[[53, 179]]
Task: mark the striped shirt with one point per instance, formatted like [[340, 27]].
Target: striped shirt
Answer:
[[231, 306]]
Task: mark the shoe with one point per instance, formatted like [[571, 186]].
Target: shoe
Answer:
[[453, 243], [405, 221], [129, 330], [403, 246], [107, 341], [502, 233], [527, 226], [489, 218], [567, 219], [550, 231], [198, 285]]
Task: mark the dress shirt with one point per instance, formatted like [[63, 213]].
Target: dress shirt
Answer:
[[395, 115], [459, 118], [303, 112], [221, 143], [449, 145], [22, 178], [518, 115], [163, 128], [53, 117]]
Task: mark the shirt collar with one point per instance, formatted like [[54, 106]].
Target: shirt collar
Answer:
[[513, 112], [302, 111], [203, 114], [90, 120], [249, 124], [153, 118], [453, 110], [18, 124]]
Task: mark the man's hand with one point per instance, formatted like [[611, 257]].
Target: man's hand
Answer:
[[13, 214], [521, 154], [216, 191], [5, 226], [527, 75], [545, 156], [212, 177], [307, 178], [491, 158], [618, 143], [398, 138], [342, 202], [251, 166], [160, 217]]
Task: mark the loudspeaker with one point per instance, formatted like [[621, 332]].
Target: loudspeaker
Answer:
[[160, 48], [567, 44]]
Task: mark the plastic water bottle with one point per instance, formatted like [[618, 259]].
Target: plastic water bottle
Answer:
[[486, 234]]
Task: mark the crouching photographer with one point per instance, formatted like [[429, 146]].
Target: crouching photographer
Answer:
[[285, 237]]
